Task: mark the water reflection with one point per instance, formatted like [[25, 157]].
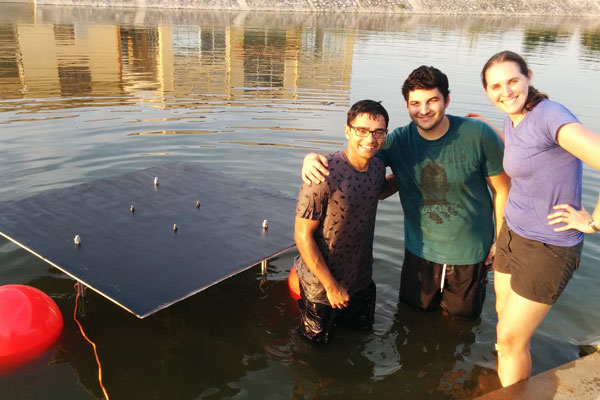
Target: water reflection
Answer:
[[178, 132], [88, 93], [228, 63], [590, 40], [534, 38], [237, 61]]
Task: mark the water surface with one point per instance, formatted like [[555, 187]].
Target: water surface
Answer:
[[88, 94]]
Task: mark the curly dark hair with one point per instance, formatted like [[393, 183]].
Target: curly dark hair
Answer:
[[426, 78]]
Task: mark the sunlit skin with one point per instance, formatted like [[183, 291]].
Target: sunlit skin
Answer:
[[507, 89], [427, 109], [360, 150], [518, 317]]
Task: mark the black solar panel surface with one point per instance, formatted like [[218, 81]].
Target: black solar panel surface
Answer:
[[136, 258]]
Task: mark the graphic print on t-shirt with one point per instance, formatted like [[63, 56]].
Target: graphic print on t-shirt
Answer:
[[434, 185]]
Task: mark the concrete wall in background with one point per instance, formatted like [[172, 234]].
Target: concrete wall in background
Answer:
[[448, 7]]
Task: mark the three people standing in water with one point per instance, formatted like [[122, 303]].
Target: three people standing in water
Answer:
[[542, 226]]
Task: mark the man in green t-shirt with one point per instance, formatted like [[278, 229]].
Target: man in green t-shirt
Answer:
[[445, 168]]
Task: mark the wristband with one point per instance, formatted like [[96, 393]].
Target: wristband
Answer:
[[593, 225]]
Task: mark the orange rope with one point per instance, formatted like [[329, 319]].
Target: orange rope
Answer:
[[92, 343]]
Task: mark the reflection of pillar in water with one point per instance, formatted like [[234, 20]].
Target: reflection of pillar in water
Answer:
[[164, 73], [293, 37], [234, 54], [11, 73], [59, 59], [39, 58]]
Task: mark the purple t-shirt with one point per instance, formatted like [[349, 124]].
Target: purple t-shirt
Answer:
[[542, 173]]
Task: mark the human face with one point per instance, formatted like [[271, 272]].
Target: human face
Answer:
[[507, 88], [427, 108], [361, 149]]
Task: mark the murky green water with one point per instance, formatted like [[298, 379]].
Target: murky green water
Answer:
[[87, 94]]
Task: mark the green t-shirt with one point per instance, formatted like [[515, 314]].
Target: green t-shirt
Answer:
[[448, 211]]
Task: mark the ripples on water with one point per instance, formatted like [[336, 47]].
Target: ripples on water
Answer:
[[88, 94]]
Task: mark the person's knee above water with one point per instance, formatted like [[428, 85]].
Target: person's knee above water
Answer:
[[539, 247], [334, 229], [445, 167]]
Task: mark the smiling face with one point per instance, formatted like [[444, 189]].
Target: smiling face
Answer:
[[361, 149], [507, 88], [427, 109]]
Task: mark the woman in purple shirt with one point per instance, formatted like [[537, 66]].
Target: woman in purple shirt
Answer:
[[539, 246]]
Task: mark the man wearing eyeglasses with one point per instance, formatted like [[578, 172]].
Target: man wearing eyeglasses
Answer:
[[445, 168], [334, 228]]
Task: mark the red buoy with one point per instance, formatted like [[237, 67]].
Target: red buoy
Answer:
[[30, 323], [294, 284]]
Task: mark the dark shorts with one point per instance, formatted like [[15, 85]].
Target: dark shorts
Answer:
[[539, 271], [317, 320], [463, 292]]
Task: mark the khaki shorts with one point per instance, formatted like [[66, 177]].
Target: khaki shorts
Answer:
[[539, 271]]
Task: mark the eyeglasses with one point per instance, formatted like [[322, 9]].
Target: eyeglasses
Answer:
[[364, 132]]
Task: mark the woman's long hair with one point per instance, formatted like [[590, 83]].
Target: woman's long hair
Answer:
[[534, 96]]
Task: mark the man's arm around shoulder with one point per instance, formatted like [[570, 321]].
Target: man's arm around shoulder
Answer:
[[481, 118]]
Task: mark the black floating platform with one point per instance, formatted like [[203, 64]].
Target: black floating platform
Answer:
[[136, 258]]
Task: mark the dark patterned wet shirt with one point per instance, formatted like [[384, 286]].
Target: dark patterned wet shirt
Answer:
[[345, 205]]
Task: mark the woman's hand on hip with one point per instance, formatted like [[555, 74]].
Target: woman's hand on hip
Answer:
[[571, 218]]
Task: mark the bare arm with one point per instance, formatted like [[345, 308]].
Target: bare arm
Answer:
[[481, 118], [581, 142], [314, 168], [585, 145], [311, 255], [499, 186], [391, 187]]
